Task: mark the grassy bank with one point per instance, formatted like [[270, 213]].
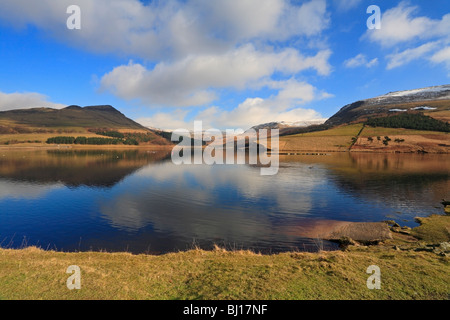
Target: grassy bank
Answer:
[[406, 273]]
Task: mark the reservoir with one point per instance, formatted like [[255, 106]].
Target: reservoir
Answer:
[[139, 201]]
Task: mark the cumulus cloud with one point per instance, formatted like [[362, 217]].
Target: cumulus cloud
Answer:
[[189, 82], [188, 51], [410, 36], [172, 120], [286, 105], [399, 25], [254, 111], [161, 29], [359, 61], [12, 101]]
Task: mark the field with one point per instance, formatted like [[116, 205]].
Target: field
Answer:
[[402, 140], [332, 140], [37, 137], [346, 130], [378, 131], [41, 138], [341, 139]]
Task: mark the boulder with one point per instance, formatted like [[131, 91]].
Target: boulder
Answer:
[[361, 232]]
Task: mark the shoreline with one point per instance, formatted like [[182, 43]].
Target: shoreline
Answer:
[[324, 152], [386, 233], [410, 269], [85, 147]]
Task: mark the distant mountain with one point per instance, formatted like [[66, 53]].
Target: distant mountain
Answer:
[[290, 128], [103, 116], [434, 101], [283, 124]]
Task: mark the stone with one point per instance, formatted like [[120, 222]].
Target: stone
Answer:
[[361, 232], [444, 246]]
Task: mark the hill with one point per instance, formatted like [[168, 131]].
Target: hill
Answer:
[[73, 116], [432, 101], [101, 124], [403, 121]]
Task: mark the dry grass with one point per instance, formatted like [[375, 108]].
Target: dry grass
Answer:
[[340, 139], [379, 131], [315, 144], [440, 115], [406, 273], [433, 229], [41, 137], [220, 274], [333, 140], [411, 141], [34, 274], [346, 130]]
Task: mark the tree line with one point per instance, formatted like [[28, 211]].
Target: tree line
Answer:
[[130, 136], [91, 141], [416, 121]]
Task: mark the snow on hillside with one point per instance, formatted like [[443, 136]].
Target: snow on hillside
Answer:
[[423, 94], [286, 124], [423, 91]]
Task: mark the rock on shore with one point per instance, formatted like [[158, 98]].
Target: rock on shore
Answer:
[[360, 231]]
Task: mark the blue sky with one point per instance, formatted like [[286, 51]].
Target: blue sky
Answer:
[[232, 64]]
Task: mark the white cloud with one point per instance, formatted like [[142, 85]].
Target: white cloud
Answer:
[[442, 56], [167, 120], [191, 81], [254, 111], [171, 28], [359, 61], [12, 101], [309, 19], [411, 36], [284, 106], [398, 25], [398, 59], [372, 63], [196, 48]]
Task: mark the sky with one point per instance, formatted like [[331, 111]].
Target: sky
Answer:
[[229, 63]]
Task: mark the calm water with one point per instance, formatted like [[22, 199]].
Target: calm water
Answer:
[[140, 202]]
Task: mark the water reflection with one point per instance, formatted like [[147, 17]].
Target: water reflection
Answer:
[[25, 190], [97, 168], [139, 201]]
